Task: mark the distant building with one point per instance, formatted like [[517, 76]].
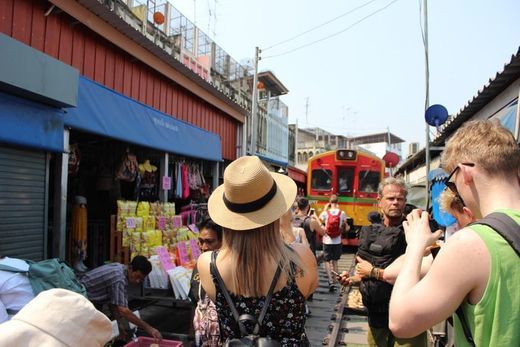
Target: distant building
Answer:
[[271, 124], [379, 143], [312, 141]]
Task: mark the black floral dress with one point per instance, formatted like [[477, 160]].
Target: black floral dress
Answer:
[[284, 320]]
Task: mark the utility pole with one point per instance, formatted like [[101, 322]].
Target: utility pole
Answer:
[[254, 106], [427, 101]]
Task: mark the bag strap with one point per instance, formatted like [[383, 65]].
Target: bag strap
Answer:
[[220, 281], [465, 326], [506, 227]]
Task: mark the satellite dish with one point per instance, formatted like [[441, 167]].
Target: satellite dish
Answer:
[[436, 115], [391, 159]]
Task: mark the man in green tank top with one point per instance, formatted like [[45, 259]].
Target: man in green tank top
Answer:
[[476, 268]]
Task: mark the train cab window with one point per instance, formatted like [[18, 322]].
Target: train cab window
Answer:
[[368, 181], [321, 179], [345, 180]]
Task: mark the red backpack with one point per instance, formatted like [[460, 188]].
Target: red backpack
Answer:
[[333, 224]]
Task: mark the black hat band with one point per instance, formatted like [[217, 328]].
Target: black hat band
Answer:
[[253, 205]]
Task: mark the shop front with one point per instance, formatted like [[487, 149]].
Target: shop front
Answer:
[[35, 90], [29, 133], [122, 151]]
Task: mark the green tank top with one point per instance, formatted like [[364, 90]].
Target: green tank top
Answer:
[[495, 319]]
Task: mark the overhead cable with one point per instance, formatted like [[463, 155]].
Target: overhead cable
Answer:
[[332, 35], [319, 26]]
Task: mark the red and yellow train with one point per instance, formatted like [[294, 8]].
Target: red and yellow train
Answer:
[[354, 176]]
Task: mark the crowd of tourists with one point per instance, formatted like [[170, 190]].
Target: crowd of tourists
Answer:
[[260, 259]]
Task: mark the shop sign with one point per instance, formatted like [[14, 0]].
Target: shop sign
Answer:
[[183, 252], [166, 183], [164, 258], [195, 250]]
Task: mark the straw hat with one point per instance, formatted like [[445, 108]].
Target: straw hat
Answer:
[[251, 196]]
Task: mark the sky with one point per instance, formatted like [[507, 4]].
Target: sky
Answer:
[[370, 77]]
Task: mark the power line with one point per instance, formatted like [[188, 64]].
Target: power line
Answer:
[[319, 26], [332, 35]]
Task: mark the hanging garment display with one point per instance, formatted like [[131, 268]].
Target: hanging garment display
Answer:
[[79, 233], [127, 171], [74, 160], [148, 183]]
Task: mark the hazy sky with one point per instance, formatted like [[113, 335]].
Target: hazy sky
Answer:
[[371, 76]]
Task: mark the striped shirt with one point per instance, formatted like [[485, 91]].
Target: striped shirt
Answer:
[[107, 284]]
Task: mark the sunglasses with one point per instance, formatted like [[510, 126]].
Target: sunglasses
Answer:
[[451, 185]]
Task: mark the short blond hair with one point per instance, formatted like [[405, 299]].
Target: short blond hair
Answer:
[[449, 202], [396, 181], [487, 144]]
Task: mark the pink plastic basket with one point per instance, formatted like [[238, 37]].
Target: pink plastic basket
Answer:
[[147, 341]]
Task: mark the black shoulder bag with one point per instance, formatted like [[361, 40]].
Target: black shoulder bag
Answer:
[[506, 227]]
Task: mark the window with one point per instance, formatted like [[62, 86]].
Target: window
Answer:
[[345, 180], [369, 181], [321, 179]]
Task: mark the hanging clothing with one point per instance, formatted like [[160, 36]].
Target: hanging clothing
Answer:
[[178, 187], [185, 182]]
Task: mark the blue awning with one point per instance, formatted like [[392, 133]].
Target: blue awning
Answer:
[[272, 161], [105, 112], [30, 124]]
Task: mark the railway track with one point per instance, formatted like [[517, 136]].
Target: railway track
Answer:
[[334, 318]]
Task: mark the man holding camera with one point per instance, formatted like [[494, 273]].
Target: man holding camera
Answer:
[[379, 246], [477, 269], [306, 218]]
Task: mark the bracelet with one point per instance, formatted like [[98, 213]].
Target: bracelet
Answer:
[[374, 269]]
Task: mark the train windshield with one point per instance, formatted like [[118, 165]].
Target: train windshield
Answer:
[[345, 180], [368, 181], [321, 179]]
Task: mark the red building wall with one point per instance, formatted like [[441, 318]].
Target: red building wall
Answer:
[[63, 38]]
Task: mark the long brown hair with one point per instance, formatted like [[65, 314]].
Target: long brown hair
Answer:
[[253, 250]]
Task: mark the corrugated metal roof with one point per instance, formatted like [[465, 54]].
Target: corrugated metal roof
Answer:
[[488, 92], [272, 83], [374, 138]]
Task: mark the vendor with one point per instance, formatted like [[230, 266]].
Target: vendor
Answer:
[[108, 284]]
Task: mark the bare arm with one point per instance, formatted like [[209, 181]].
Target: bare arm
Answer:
[[307, 283], [303, 237], [418, 304], [316, 226], [126, 313]]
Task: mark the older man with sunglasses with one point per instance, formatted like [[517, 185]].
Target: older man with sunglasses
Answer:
[[476, 269]]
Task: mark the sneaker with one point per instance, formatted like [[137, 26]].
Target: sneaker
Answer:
[[332, 288]]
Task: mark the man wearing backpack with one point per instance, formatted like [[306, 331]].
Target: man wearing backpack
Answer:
[[308, 222], [108, 284], [477, 269], [335, 221]]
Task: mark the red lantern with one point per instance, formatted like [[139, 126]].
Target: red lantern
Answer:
[[260, 85], [158, 18]]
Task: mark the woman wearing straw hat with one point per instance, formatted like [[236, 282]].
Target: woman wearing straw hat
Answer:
[[254, 264]]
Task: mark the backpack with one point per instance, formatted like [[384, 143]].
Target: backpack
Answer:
[[247, 338], [49, 274], [333, 224]]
